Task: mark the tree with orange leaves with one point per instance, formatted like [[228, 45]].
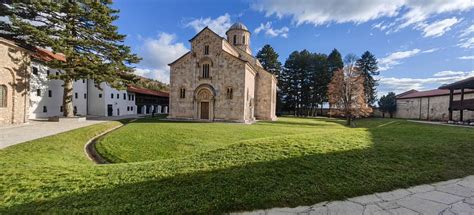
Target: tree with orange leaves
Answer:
[[346, 92]]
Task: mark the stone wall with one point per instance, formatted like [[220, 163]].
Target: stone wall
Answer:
[[265, 103], [226, 71], [14, 75], [430, 108]]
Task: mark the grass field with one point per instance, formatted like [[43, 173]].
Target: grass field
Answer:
[[178, 167]]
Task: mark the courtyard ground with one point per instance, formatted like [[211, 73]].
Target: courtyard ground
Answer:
[[185, 167]]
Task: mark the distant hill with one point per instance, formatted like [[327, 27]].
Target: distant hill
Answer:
[[152, 84]]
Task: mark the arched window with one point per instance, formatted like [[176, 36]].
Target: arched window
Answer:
[[205, 70], [3, 96], [243, 39], [235, 39], [206, 50]]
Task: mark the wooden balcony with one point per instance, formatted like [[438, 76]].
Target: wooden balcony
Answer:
[[467, 104]]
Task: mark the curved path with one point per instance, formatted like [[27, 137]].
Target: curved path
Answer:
[[447, 198], [90, 149]]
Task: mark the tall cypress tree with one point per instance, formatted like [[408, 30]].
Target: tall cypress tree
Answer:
[[368, 66], [81, 30]]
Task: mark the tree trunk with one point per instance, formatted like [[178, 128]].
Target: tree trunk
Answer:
[[67, 101], [383, 114]]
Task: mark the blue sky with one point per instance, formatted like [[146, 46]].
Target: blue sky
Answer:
[[420, 44]]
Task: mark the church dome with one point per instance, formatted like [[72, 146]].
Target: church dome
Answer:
[[238, 26]]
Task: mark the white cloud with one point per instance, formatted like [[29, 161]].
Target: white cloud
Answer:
[[399, 85], [430, 50], [157, 53], [448, 73], [219, 25], [321, 12], [395, 58], [466, 32], [467, 57], [438, 28], [467, 43], [269, 31]]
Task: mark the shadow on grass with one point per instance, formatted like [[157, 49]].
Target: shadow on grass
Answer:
[[388, 164]]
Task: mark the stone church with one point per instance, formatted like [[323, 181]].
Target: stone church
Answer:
[[220, 80]]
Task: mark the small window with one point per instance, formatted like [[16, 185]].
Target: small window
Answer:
[[61, 109], [45, 109], [3, 96], [35, 70], [75, 110], [111, 95], [76, 95], [100, 95], [83, 81], [235, 39], [128, 108], [50, 93], [118, 96], [230, 93], [182, 93], [57, 73], [124, 96], [47, 72], [38, 92], [206, 50], [243, 39], [85, 95], [133, 97], [129, 97], [131, 108], [205, 71]]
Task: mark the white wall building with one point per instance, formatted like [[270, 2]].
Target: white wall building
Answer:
[[46, 96], [108, 101]]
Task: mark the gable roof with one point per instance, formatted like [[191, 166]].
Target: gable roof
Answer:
[[430, 93], [46, 55], [190, 40]]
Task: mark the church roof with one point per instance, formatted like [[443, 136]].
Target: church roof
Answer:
[[238, 26]]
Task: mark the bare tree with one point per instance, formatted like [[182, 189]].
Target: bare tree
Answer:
[[346, 92]]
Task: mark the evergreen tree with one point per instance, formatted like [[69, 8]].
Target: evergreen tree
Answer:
[[81, 30], [388, 104], [269, 60], [367, 64], [335, 61]]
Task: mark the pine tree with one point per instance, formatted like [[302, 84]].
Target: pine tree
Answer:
[[81, 30], [335, 61], [388, 104], [367, 64], [269, 60]]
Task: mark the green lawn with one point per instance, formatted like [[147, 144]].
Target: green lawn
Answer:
[[178, 167]]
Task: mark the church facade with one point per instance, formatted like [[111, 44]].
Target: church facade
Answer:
[[220, 80]]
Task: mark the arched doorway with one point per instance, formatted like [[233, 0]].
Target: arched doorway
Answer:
[[204, 103]]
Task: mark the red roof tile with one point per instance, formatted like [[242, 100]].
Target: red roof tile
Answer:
[[135, 89], [46, 55], [430, 93]]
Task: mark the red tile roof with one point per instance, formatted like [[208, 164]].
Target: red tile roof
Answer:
[[407, 92], [429, 93], [135, 89], [46, 55]]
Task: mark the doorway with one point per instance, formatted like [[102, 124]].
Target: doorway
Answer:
[[110, 110], [204, 110]]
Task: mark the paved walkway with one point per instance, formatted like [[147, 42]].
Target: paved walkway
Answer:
[[446, 198], [12, 135]]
